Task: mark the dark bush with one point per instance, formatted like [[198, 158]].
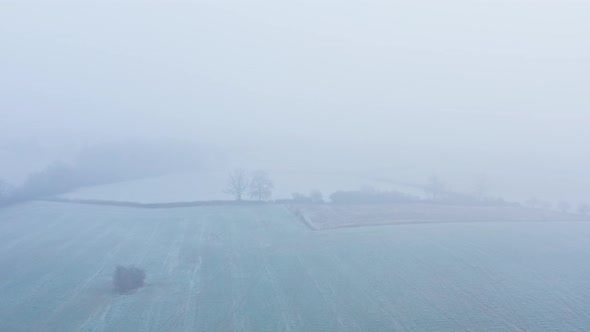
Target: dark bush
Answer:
[[127, 279]]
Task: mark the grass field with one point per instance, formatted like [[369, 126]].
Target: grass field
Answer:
[[257, 268]]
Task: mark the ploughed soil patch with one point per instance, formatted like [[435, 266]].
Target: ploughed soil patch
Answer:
[[328, 216]]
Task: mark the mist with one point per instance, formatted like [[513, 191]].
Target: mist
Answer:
[[399, 90], [301, 166]]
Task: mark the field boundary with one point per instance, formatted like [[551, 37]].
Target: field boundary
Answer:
[[331, 217], [410, 222], [169, 205], [299, 213], [302, 217]]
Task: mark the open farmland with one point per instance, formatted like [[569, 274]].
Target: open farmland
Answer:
[[257, 268]]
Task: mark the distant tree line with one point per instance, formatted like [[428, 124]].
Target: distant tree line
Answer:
[[561, 206], [104, 164], [60, 178], [257, 186]]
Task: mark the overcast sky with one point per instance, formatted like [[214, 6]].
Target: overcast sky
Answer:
[[451, 87]]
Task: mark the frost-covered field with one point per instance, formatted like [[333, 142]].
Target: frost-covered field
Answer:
[[256, 268], [327, 216]]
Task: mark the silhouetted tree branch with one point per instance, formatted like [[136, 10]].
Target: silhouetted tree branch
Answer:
[[237, 184]]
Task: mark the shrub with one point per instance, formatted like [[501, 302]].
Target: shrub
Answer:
[[316, 196], [300, 198], [127, 279]]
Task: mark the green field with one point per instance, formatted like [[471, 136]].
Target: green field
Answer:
[[257, 268]]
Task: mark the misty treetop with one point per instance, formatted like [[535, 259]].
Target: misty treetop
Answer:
[[261, 186], [257, 185]]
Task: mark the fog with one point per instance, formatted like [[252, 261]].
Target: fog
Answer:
[[391, 89]]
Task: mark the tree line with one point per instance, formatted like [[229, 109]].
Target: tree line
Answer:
[[258, 186]]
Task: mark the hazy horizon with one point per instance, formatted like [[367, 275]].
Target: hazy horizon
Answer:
[[402, 89]]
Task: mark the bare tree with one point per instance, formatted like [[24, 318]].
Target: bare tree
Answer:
[[261, 186], [237, 184]]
